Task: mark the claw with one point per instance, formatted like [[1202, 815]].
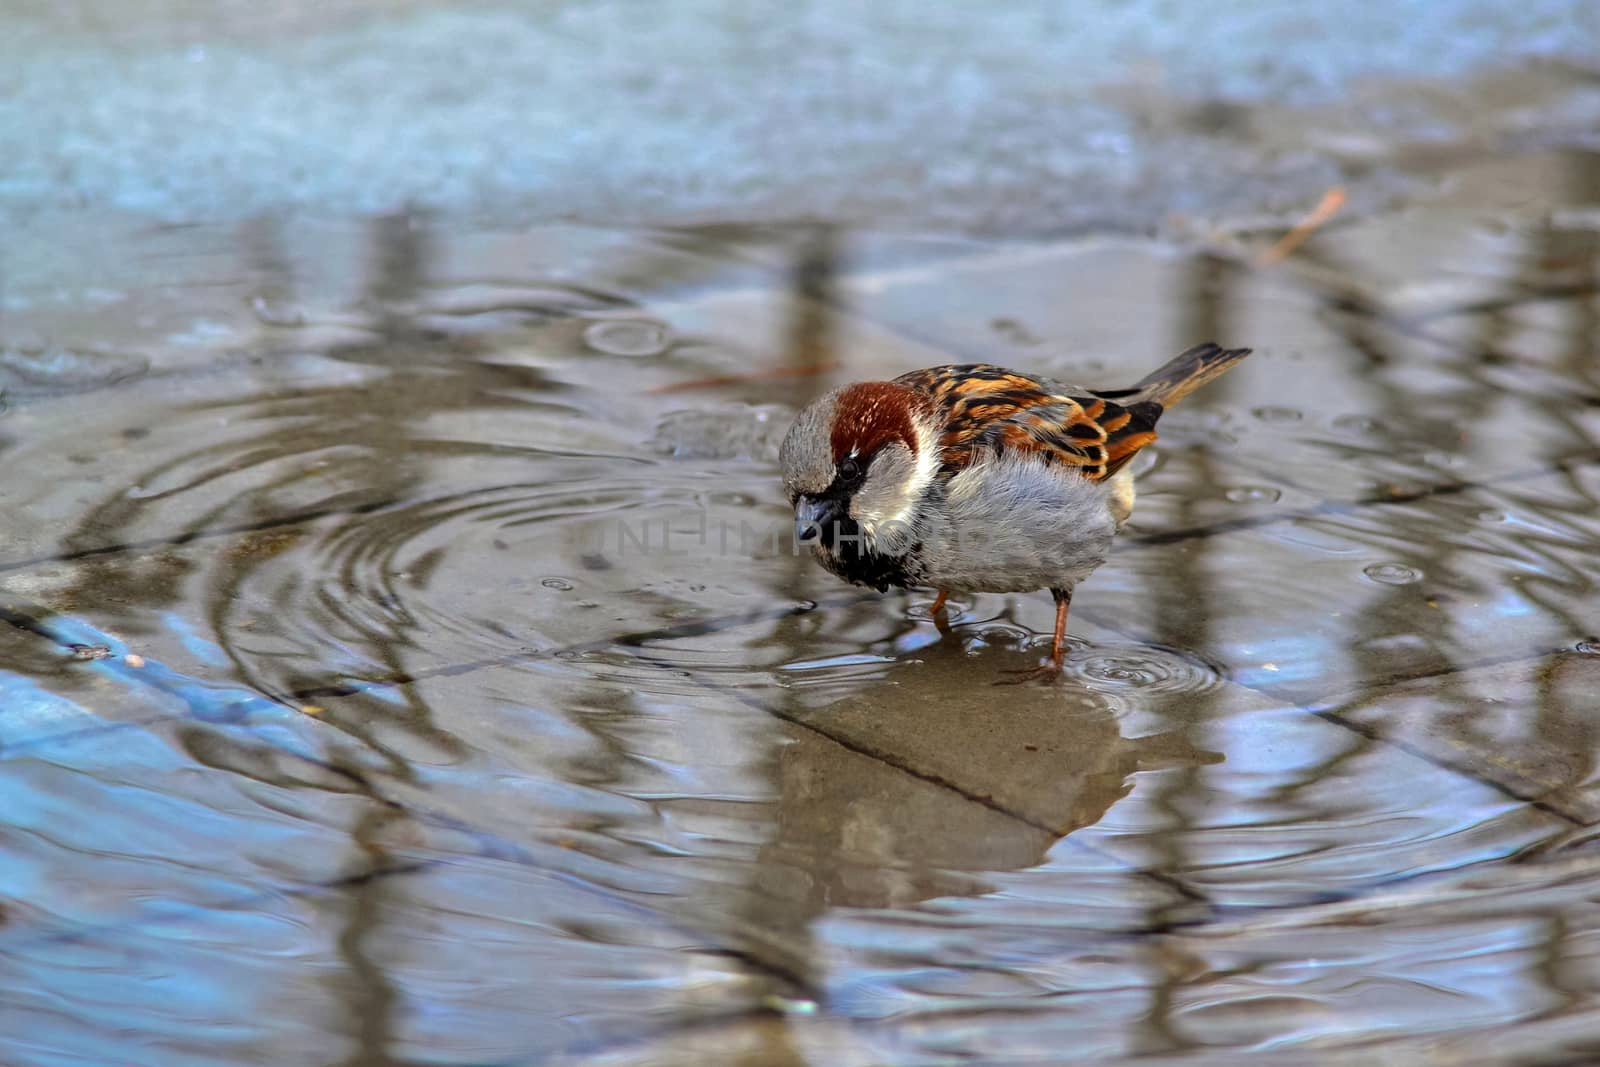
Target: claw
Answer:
[[1045, 673], [1050, 669]]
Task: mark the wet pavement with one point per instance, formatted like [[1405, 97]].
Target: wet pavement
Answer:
[[399, 665]]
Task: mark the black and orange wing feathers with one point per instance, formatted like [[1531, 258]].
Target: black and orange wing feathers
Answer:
[[990, 409]]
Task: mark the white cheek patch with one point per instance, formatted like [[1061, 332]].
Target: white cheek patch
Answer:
[[927, 469], [903, 508]]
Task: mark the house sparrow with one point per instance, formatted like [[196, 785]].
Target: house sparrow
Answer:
[[977, 479]]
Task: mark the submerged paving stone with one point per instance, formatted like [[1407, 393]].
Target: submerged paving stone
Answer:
[[1371, 371], [1528, 725], [1156, 762], [379, 960], [1311, 606], [546, 968], [236, 984], [143, 825], [1052, 757], [765, 1039], [1497, 966], [182, 842], [822, 861]]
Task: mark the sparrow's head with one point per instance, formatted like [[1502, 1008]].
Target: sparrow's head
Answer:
[[857, 460]]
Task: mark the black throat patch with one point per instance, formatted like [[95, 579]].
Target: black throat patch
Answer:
[[844, 551]]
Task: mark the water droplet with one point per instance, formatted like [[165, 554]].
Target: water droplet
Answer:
[[1357, 425], [271, 312], [1253, 494], [1273, 413], [1492, 515], [557, 583], [1589, 646], [1392, 573], [626, 337], [791, 1007]]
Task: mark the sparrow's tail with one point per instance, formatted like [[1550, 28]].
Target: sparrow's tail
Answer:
[[1186, 373]]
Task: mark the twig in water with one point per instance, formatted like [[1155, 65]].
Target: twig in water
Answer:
[[1326, 208]]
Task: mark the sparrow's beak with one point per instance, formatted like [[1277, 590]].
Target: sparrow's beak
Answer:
[[811, 517]]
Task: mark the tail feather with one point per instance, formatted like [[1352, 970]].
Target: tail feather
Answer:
[[1186, 373]]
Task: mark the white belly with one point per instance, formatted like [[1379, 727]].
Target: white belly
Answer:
[[1014, 525]]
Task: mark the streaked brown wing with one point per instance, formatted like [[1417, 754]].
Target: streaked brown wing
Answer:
[[987, 408]]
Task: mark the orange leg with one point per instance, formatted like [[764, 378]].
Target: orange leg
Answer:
[[1058, 647], [1051, 670], [940, 618]]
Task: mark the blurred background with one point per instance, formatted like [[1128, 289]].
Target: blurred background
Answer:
[[1030, 118]]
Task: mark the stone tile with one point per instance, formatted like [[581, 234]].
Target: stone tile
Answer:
[[480, 576], [1527, 725], [492, 961], [757, 1041], [669, 306], [227, 984], [433, 964], [1322, 604], [774, 835], [1052, 757], [235, 855], [138, 822], [1339, 401], [1300, 809], [1300, 988], [1467, 968], [178, 297], [1477, 241], [1155, 762], [1150, 760], [755, 828]]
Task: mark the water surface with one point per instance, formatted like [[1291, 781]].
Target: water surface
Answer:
[[397, 669]]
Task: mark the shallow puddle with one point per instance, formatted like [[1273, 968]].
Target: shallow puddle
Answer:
[[404, 657]]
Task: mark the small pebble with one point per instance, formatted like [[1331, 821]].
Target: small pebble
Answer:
[[133, 659]]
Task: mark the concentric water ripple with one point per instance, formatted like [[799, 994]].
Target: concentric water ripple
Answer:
[[484, 574], [1146, 669]]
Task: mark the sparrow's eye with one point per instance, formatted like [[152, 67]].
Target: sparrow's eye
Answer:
[[849, 471]]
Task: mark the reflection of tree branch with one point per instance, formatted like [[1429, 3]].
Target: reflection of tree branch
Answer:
[[809, 342], [1183, 599], [369, 995], [1429, 540]]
